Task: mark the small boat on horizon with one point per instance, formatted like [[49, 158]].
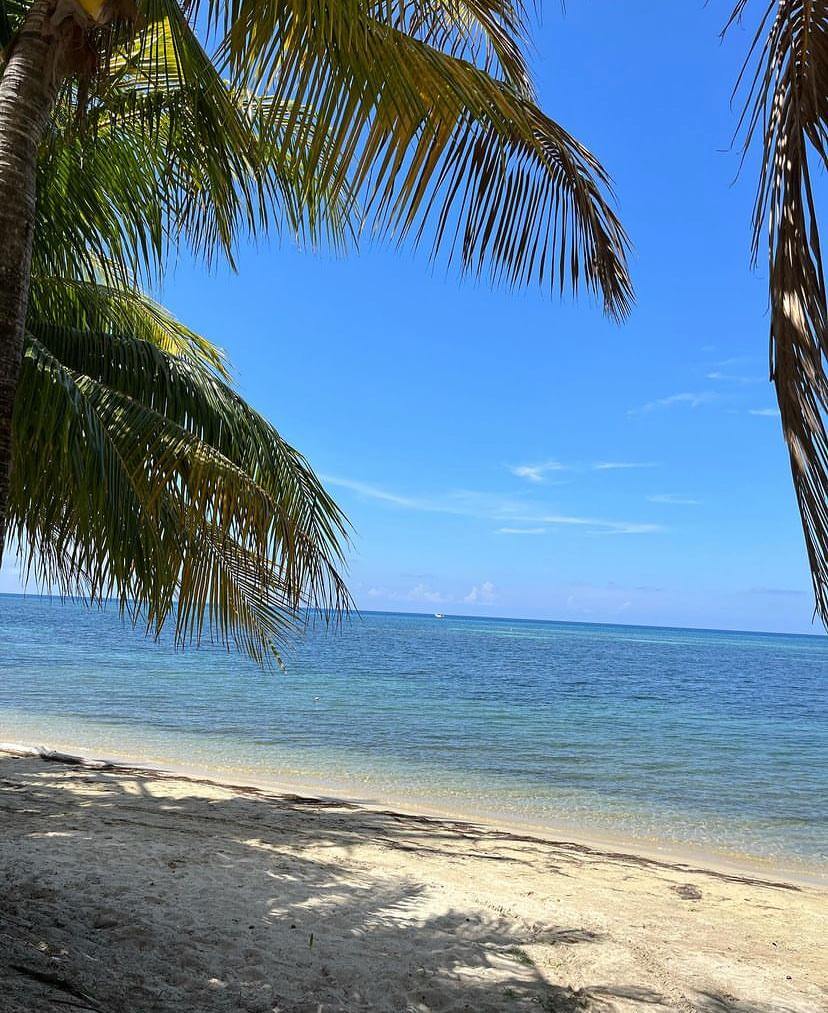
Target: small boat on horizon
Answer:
[[439, 615]]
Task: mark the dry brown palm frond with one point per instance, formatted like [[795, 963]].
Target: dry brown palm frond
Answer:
[[786, 79]]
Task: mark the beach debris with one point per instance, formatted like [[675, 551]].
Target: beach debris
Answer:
[[55, 756], [687, 891]]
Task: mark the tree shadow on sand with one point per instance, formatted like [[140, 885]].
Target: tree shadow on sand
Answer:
[[231, 904]]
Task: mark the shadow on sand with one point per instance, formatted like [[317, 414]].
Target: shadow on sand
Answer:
[[231, 904]]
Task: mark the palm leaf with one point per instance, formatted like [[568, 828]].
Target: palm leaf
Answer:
[[118, 312], [491, 35], [140, 474], [786, 79], [169, 154], [434, 143]]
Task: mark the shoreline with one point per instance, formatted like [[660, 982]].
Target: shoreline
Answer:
[[131, 888], [683, 857]]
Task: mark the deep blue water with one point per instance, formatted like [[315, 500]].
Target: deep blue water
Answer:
[[708, 738]]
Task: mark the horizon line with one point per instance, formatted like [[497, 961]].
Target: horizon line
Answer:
[[462, 615]]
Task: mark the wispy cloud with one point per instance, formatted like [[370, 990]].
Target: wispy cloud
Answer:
[[771, 413], [419, 594], [422, 593], [510, 512], [521, 531], [374, 492], [536, 472], [462, 502], [778, 592], [600, 526], [481, 594], [734, 378], [737, 360], [687, 399], [669, 497]]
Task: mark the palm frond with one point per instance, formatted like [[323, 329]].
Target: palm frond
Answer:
[[230, 167], [100, 210], [491, 35], [80, 306], [786, 78], [140, 474], [168, 369], [138, 471], [433, 142], [168, 153]]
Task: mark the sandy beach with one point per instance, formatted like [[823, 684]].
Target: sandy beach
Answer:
[[131, 890]]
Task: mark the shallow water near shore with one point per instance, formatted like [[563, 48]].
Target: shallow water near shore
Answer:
[[714, 740]]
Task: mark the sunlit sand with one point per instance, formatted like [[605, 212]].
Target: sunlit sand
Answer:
[[134, 890]]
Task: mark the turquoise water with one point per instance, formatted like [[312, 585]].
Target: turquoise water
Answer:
[[713, 739]]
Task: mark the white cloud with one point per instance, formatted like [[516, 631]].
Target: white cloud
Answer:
[[422, 592], [688, 398], [733, 378], [419, 593], [521, 531], [668, 497], [536, 472], [373, 492], [601, 526], [507, 511], [461, 502], [772, 413], [481, 594]]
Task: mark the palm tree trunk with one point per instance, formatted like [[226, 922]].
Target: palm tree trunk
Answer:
[[27, 92]]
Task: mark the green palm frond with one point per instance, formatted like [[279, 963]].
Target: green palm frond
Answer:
[[786, 77], [434, 143], [490, 35], [140, 474], [99, 204], [421, 110], [169, 153], [118, 313]]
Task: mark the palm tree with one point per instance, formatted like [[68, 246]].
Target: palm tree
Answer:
[[127, 463], [137, 471], [786, 82]]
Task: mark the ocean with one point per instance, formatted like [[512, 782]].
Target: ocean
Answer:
[[713, 740]]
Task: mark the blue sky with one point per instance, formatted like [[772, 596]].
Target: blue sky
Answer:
[[509, 454]]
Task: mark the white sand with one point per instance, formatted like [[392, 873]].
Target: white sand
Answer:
[[131, 891]]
